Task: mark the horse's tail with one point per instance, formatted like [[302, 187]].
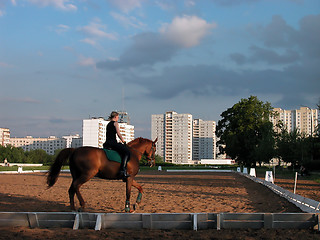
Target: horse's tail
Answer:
[[55, 168]]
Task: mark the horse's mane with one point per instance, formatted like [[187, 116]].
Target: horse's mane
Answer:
[[138, 141]]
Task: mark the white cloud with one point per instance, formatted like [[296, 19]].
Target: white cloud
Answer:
[[97, 30], [14, 2], [59, 4], [187, 31], [128, 21], [2, 13], [89, 41], [83, 61], [126, 5], [61, 28], [189, 3]]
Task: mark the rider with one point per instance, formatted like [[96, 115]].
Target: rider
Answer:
[[111, 142]]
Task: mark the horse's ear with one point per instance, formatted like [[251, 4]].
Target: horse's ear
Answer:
[[155, 140]]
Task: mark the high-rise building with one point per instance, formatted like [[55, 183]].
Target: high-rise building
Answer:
[[73, 141], [305, 119], [204, 140], [174, 133], [4, 136], [94, 132]]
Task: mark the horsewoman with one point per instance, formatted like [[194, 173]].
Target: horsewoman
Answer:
[[112, 143]]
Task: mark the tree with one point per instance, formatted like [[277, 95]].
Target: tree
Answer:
[[38, 156], [246, 132]]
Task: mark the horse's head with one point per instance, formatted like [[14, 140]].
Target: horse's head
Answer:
[[150, 152]]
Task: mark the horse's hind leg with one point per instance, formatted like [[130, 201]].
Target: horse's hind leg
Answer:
[[75, 189], [71, 196]]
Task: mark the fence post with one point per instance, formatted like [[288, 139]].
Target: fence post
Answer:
[[195, 221], [317, 226], [33, 220], [218, 221], [268, 220], [146, 221], [76, 222], [98, 223]]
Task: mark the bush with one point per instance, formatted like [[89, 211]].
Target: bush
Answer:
[[313, 165]]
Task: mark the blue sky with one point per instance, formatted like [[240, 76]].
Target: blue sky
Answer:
[[62, 61]]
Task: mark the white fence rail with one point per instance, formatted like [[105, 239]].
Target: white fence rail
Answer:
[[305, 204], [163, 221]]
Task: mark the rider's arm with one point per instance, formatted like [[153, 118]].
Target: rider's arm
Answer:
[[118, 131]]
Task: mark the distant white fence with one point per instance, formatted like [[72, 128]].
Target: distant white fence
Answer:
[[200, 170], [22, 164], [163, 221]]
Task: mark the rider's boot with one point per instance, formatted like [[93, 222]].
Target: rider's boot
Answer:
[[123, 168]]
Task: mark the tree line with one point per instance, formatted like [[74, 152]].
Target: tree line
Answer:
[[247, 135], [18, 155]]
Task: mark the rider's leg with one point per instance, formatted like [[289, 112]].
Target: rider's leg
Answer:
[[123, 166]]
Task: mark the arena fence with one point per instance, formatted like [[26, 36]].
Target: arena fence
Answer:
[[163, 221], [196, 221], [305, 204]]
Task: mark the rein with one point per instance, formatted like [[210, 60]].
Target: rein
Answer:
[[147, 157]]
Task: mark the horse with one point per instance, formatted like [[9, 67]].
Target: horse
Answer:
[[88, 162]]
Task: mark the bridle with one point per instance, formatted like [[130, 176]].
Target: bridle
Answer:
[[152, 159]]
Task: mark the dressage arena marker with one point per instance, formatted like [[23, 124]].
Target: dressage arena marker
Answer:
[[74, 220], [253, 172], [269, 177]]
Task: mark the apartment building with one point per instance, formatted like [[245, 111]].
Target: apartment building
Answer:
[[305, 119], [204, 140], [73, 141], [94, 131], [4, 136], [174, 133], [50, 144]]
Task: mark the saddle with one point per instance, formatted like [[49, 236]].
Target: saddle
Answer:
[[112, 155]]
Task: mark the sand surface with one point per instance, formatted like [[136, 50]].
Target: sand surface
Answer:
[[163, 192]]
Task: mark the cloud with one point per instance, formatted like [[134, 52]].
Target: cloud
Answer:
[[61, 28], [187, 31], [128, 21], [126, 5], [59, 4], [268, 56], [95, 31], [5, 65], [190, 3], [233, 2], [212, 80], [282, 43], [149, 48], [20, 100], [86, 61]]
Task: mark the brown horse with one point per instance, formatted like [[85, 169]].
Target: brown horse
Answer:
[[88, 162]]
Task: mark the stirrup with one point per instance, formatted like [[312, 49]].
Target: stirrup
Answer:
[[124, 175]]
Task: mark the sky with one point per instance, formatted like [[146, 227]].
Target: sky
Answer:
[[62, 61]]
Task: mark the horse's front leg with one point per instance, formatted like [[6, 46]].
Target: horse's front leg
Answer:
[[138, 186], [128, 193]]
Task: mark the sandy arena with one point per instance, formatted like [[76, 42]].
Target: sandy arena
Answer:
[[163, 192]]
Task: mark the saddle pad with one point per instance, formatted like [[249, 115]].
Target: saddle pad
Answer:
[[112, 155]]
